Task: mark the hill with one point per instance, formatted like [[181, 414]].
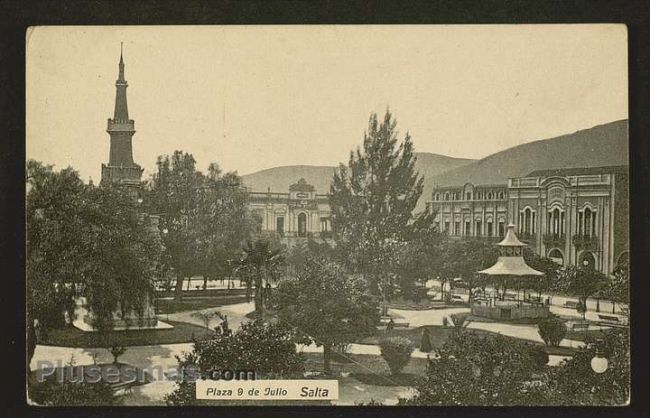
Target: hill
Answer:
[[602, 145], [279, 178]]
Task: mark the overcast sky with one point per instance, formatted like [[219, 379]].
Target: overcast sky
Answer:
[[252, 98]]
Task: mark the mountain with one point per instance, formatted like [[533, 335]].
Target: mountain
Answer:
[[602, 145], [279, 178]]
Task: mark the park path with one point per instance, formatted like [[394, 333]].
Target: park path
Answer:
[[161, 359]]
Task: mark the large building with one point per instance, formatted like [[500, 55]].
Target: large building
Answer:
[[576, 216], [297, 214]]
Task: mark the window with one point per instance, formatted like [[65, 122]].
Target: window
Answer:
[[502, 230], [279, 225], [468, 196], [456, 228], [489, 229], [447, 226], [468, 228], [302, 225], [478, 228], [446, 196], [324, 224]]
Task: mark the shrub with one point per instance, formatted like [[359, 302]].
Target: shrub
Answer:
[[552, 331], [396, 351], [459, 319], [54, 393], [539, 356], [425, 344]]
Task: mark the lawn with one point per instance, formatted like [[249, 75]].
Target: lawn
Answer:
[[439, 335], [195, 303], [581, 335], [368, 368], [73, 337]]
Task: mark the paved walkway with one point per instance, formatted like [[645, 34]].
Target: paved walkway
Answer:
[[161, 359]]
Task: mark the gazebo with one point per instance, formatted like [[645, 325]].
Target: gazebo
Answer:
[[510, 265]]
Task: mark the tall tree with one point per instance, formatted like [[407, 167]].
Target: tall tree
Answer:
[[84, 241], [174, 193], [372, 199], [206, 217], [328, 305]]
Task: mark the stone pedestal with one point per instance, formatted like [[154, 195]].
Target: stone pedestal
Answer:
[[131, 321]]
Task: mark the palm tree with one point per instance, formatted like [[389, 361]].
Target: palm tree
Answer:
[[260, 264]]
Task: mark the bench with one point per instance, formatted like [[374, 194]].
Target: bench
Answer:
[[580, 326], [571, 304], [609, 318]]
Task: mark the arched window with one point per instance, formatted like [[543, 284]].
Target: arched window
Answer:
[[302, 225], [589, 222], [437, 196], [489, 196], [446, 196], [501, 195]]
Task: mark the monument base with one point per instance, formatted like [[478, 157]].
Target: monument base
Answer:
[[130, 322]]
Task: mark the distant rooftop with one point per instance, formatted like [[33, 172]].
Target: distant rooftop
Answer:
[[580, 171]]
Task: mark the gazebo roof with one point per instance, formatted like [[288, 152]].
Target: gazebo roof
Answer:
[[511, 239], [511, 261], [511, 266]]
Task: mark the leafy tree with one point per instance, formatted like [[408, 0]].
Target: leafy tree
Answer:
[[581, 282], [552, 331], [206, 217], [225, 223], [396, 351], [547, 282], [617, 288], [575, 383], [268, 350], [327, 305], [174, 192], [260, 265], [372, 200], [87, 241], [463, 258], [470, 369]]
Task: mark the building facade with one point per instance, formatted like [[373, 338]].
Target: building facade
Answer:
[[471, 210], [577, 216], [299, 214]]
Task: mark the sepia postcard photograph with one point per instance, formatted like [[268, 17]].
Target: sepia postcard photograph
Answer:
[[341, 215]]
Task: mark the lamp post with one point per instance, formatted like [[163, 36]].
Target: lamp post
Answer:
[[599, 363]]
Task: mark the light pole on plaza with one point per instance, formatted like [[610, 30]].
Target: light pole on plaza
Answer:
[[599, 362]]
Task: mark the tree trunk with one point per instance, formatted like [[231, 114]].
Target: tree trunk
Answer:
[[327, 353], [613, 307], [259, 306], [178, 292], [205, 282]]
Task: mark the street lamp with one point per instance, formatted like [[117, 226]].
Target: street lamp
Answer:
[[599, 363]]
